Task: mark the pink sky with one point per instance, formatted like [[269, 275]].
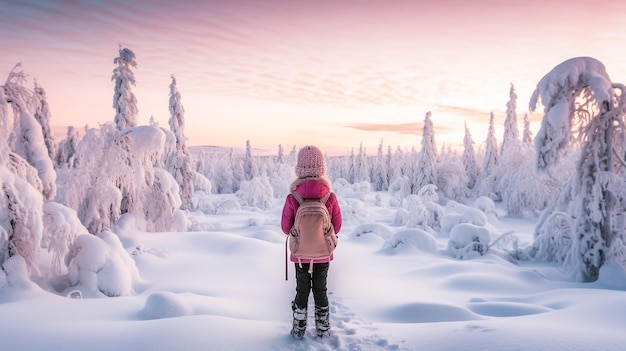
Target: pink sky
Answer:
[[292, 72]]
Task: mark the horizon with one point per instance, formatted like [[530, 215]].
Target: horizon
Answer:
[[294, 73]]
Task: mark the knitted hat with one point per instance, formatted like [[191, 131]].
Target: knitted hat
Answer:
[[310, 162]]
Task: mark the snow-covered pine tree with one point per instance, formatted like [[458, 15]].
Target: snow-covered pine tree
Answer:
[[280, 158], [527, 137], [67, 148], [488, 178], [250, 167], [389, 165], [511, 131], [491, 148], [580, 102], [361, 167], [351, 173], [451, 178], [381, 178], [469, 159], [400, 167], [179, 162], [124, 101], [426, 170]]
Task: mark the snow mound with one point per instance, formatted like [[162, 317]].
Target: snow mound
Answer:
[[100, 264], [376, 229], [410, 240], [165, 304], [468, 241], [419, 312]]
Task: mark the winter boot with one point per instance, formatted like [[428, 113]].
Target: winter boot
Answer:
[[322, 321], [299, 321]]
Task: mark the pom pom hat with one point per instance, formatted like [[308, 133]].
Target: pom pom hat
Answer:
[[310, 162]]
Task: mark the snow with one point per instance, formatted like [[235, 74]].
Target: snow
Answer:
[[390, 288]]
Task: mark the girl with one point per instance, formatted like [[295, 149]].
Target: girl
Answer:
[[311, 184]]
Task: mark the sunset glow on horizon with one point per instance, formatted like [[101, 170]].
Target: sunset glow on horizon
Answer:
[[331, 73]]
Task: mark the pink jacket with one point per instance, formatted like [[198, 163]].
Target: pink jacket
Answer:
[[311, 188]]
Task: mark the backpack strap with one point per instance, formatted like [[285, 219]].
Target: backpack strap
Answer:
[[300, 199], [325, 198], [297, 196]]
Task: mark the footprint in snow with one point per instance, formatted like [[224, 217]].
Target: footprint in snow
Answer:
[[348, 332]]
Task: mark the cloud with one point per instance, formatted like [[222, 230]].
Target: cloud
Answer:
[[400, 128]]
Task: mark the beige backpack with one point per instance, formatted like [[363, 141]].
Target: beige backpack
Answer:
[[312, 235]]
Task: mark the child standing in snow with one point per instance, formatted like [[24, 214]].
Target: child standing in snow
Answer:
[[310, 184]]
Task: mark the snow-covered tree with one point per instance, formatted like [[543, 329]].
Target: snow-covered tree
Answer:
[[521, 188], [128, 182], [67, 148], [360, 167], [179, 162], [281, 174], [469, 159], [250, 167], [350, 172], [124, 101], [488, 178], [451, 177], [21, 226], [42, 115], [581, 103], [27, 136], [426, 171], [380, 172], [491, 148], [280, 158], [511, 131], [527, 137]]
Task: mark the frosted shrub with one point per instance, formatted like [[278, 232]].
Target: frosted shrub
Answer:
[[411, 239], [417, 212], [399, 188], [452, 179], [377, 229], [361, 190], [353, 209], [227, 206], [62, 226], [202, 202], [202, 183], [343, 189], [401, 217], [455, 213], [340, 183], [468, 241], [281, 180], [428, 193], [256, 193], [99, 264], [429, 196], [486, 205]]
